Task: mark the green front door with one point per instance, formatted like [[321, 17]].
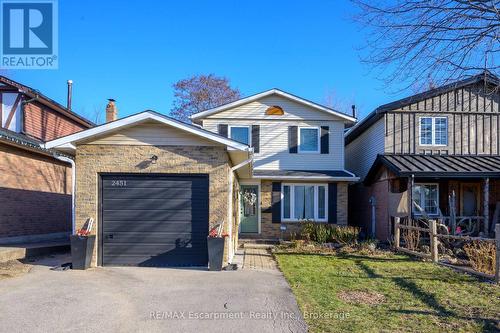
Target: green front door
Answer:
[[249, 208]]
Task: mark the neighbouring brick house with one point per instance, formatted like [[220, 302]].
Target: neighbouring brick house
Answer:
[[35, 188], [155, 186]]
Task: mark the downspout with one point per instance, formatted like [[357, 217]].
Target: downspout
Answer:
[[230, 203], [73, 187]]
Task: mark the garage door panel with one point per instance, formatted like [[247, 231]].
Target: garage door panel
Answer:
[[147, 226], [163, 260], [152, 215], [154, 220], [154, 182], [152, 193], [182, 239], [158, 204]]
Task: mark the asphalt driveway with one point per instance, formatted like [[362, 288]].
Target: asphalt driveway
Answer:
[[147, 299]]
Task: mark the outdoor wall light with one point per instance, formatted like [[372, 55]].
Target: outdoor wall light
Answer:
[[153, 159]]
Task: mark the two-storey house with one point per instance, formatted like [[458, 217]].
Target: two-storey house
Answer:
[[35, 187], [298, 170], [155, 186], [436, 153]]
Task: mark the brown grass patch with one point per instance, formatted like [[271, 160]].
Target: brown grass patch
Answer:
[[361, 297], [13, 268]]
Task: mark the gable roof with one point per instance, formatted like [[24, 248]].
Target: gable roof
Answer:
[[270, 92], [68, 141], [41, 98], [376, 114]]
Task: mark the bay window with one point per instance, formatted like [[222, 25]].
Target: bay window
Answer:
[[427, 197], [304, 202]]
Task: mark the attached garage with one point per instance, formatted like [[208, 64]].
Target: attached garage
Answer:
[[154, 187], [154, 220]]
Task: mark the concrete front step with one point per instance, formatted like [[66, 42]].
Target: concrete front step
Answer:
[[27, 250]]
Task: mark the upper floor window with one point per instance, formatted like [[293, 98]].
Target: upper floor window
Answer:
[[433, 131], [308, 139], [240, 134]]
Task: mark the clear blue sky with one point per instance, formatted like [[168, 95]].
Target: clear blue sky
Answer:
[[133, 51]]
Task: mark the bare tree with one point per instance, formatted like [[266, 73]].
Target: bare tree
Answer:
[[199, 93], [415, 42]]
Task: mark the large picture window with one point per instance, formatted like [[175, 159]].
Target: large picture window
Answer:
[[427, 197], [433, 131], [304, 202], [240, 134], [308, 139]]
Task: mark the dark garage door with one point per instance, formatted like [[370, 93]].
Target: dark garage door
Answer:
[[154, 220]]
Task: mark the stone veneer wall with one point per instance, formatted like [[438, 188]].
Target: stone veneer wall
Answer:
[[94, 159], [272, 230]]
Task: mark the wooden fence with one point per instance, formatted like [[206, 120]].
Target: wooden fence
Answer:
[[434, 241]]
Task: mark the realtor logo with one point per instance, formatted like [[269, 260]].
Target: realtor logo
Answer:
[[28, 34]]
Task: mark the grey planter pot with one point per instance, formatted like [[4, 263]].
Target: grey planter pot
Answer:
[[215, 253], [82, 248]]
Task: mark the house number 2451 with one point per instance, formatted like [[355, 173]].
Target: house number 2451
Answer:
[[118, 183]]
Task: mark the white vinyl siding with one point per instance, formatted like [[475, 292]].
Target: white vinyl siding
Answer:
[[274, 154], [256, 110], [362, 152], [152, 134]]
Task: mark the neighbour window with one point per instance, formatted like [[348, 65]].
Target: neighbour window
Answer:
[[427, 197], [240, 134], [308, 139], [433, 131], [304, 202]]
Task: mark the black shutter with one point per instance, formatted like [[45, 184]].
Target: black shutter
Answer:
[[292, 139], [276, 202], [256, 138], [332, 203], [325, 140], [223, 129]]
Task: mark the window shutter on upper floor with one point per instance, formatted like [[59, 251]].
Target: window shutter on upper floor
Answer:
[[292, 139], [332, 202], [256, 138], [222, 129], [276, 202], [325, 140]]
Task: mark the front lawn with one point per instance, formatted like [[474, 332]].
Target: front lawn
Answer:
[[391, 293]]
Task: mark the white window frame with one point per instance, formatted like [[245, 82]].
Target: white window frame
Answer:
[[433, 132], [292, 201], [415, 211], [242, 126], [319, 140]]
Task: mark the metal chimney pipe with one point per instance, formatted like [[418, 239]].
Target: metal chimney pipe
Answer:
[[353, 110], [70, 92]]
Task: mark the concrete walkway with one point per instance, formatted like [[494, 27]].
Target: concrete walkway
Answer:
[[147, 300]]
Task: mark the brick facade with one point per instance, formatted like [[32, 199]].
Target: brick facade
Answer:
[[94, 159], [272, 230], [35, 193]]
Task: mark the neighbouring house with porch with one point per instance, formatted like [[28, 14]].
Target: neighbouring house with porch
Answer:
[[436, 154]]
